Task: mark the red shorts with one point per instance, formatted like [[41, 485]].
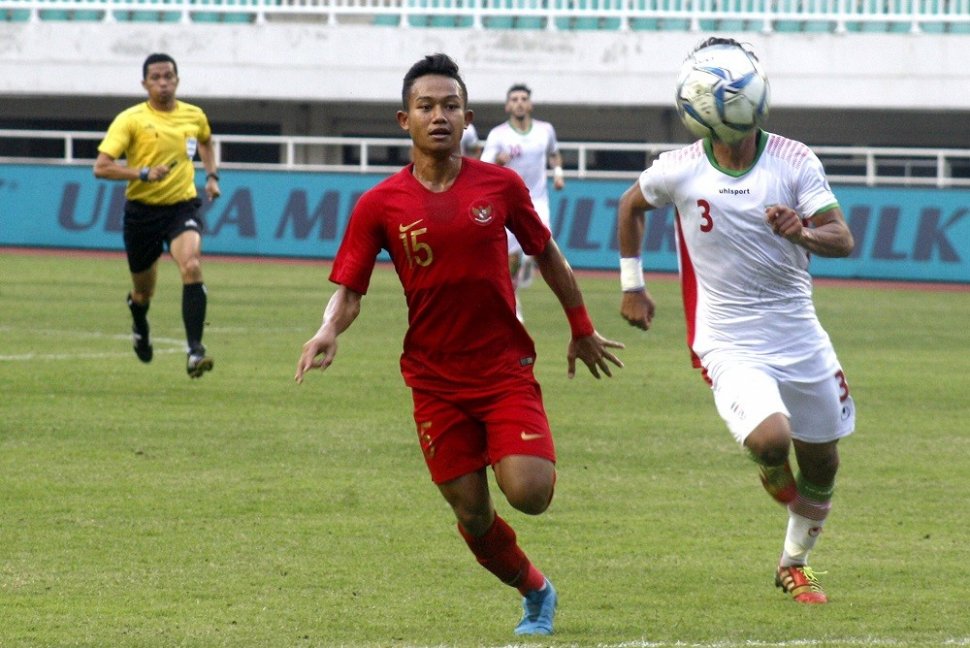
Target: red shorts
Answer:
[[462, 432]]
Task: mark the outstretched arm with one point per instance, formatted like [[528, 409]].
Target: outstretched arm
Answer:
[[586, 344], [342, 309]]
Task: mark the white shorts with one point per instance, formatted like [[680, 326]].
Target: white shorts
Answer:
[[542, 208], [815, 400]]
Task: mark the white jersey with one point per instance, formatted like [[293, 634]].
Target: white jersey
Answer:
[[529, 153], [747, 291], [469, 139]]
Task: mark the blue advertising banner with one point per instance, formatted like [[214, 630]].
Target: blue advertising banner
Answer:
[[901, 233]]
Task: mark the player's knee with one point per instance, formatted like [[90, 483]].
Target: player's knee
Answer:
[[769, 449], [770, 442], [142, 296], [191, 270], [475, 521], [532, 499]]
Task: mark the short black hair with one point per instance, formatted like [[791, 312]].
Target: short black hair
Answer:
[[440, 64], [157, 57], [519, 87]]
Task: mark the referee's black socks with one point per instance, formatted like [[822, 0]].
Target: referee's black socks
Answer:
[[193, 313]]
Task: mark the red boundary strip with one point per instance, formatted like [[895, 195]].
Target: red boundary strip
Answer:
[[653, 276]]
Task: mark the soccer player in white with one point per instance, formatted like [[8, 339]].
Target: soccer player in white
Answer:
[[749, 215], [527, 146], [471, 146]]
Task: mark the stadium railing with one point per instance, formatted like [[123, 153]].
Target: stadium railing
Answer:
[[871, 166], [836, 16]]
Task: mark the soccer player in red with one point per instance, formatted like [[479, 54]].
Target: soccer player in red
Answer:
[[467, 358]]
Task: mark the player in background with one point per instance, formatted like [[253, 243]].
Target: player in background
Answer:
[[748, 218], [159, 139], [467, 359], [471, 145], [527, 146]]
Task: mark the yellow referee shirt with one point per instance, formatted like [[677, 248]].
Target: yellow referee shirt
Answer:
[[148, 137]]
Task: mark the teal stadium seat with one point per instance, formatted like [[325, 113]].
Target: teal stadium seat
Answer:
[[15, 15], [450, 21], [444, 20], [585, 22], [54, 14], [498, 22], [644, 24], [529, 22], [671, 23], [387, 20], [238, 18]]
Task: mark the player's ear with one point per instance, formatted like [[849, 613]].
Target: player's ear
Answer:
[[469, 117], [402, 119]]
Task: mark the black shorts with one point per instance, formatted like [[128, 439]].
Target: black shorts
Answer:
[[149, 228]]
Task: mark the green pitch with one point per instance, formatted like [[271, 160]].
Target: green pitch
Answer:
[[139, 508]]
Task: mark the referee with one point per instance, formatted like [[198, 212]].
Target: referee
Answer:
[[159, 139]]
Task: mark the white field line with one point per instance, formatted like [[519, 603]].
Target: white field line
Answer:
[[170, 345], [861, 642]]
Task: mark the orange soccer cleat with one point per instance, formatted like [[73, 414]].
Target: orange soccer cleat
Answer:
[[802, 583]]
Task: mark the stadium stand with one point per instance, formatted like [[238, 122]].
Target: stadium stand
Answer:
[[854, 73], [765, 16]]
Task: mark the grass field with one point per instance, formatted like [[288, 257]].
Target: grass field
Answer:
[[140, 508]]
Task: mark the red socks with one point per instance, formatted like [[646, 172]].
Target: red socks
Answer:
[[498, 552]]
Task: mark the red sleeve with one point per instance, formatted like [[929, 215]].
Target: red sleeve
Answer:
[[523, 220], [362, 242]]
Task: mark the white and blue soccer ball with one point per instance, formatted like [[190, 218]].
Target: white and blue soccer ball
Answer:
[[722, 92]]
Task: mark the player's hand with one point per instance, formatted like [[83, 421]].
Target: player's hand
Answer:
[[637, 308], [212, 189], [593, 351], [159, 172], [318, 353], [785, 222]]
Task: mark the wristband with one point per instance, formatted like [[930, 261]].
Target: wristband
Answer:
[[143, 174], [557, 172], [631, 274], [579, 322], [213, 175]]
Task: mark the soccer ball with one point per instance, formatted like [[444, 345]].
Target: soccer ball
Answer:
[[722, 92]]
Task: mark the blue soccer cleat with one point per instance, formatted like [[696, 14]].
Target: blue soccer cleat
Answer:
[[540, 608]]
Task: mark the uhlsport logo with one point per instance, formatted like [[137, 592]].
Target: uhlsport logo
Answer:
[[481, 213]]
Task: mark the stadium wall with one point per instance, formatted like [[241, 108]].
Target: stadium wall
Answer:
[[365, 64], [901, 234], [857, 89]]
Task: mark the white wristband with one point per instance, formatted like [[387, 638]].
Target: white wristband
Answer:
[[557, 172], [631, 274]]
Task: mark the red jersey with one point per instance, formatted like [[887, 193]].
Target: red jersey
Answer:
[[450, 252]]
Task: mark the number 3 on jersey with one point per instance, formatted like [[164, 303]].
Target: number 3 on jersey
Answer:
[[707, 222], [417, 252]]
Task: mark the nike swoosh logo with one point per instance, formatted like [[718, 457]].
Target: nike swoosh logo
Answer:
[[530, 437], [404, 228]]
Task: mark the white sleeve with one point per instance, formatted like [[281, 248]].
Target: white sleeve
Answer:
[[653, 184], [813, 191], [492, 148], [553, 146]]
